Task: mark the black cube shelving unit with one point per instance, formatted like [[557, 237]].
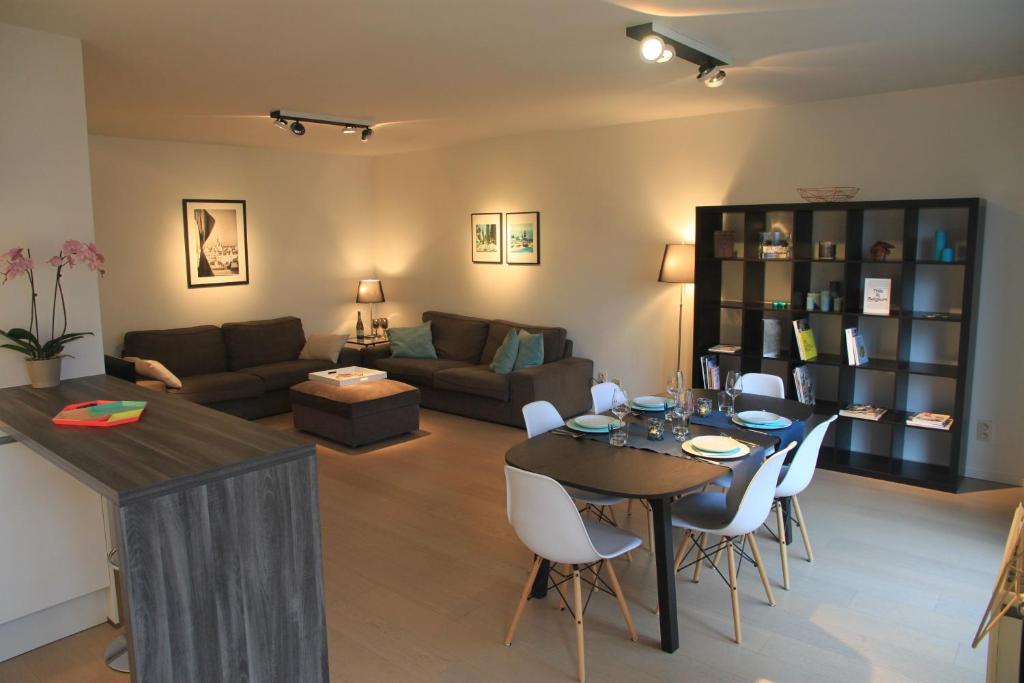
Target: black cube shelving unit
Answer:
[[921, 354]]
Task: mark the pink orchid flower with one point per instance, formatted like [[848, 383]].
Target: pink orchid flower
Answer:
[[14, 263]]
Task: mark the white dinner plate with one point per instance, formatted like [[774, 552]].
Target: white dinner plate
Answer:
[[593, 423], [715, 444], [756, 417], [693, 450], [782, 423]]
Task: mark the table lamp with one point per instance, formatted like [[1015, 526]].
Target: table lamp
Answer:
[[677, 266], [370, 292]]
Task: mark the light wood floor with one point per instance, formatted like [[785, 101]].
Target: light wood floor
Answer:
[[422, 573]]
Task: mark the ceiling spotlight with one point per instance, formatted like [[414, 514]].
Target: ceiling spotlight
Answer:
[[349, 126], [282, 124], [349, 130], [366, 134], [711, 75], [298, 128], [654, 50]]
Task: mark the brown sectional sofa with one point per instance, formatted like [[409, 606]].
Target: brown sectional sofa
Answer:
[[460, 381], [245, 369]]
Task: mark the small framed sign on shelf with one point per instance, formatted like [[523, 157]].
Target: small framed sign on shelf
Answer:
[[877, 295]]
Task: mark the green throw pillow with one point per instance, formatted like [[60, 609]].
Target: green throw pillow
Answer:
[[505, 357], [412, 342], [531, 350]]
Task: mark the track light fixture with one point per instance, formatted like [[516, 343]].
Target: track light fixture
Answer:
[[659, 44], [348, 126]]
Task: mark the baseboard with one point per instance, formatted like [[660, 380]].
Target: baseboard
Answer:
[[1001, 477], [53, 623]]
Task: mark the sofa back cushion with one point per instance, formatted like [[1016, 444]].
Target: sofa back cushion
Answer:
[[260, 342], [554, 339], [185, 351], [459, 337]]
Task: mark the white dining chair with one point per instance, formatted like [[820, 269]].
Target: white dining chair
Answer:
[[541, 417], [764, 384], [795, 478], [733, 516], [602, 395], [548, 523]]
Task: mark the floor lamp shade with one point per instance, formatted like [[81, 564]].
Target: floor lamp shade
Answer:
[[677, 265], [369, 292]]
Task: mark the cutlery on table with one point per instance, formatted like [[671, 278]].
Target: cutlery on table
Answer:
[[565, 432]]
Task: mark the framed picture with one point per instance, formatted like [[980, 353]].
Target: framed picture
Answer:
[[485, 237], [522, 242], [216, 243]]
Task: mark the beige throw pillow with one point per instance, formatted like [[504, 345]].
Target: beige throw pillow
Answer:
[[154, 369], [323, 347]]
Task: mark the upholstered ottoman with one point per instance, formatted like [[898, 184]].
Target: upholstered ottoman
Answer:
[[356, 414]]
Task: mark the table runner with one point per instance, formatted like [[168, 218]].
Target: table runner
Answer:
[[794, 432]]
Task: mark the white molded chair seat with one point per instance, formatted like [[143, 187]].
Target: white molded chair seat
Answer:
[[610, 541], [763, 384], [591, 498], [704, 511]]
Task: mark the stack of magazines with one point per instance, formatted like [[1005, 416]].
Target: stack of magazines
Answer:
[[863, 411], [710, 371], [930, 420]]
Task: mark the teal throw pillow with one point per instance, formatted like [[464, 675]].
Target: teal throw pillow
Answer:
[[531, 350], [412, 342], [505, 357]]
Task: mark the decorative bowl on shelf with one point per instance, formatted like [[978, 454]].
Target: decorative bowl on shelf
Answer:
[[828, 194]]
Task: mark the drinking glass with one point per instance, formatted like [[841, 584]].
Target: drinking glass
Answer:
[[681, 429], [674, 386], [620, 408], [733, 387]]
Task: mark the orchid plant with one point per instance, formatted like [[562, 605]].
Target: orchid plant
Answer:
[[17, 262]]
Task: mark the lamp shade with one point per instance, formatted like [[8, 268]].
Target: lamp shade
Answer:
[[677, 265], [369, 292]]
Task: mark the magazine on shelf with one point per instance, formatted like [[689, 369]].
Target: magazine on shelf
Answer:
[[710, 372], [724, 348], [930, 420], [863, 411], [856, 350], [805, 339], [877, 295], [804, 381]]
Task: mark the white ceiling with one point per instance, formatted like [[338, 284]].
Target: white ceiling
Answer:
[[439, 72]]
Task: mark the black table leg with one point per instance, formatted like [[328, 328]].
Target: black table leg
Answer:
[[540, 584], [664, 555], [787, 518]]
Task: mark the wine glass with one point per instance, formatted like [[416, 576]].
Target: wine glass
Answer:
[[733, 388], [384, 326], [620, 403], [375, 326], [674, 386], [681, 429]]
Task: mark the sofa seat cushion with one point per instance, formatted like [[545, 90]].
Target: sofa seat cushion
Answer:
[[458, 337], [218, 386], [355, 400], [418, 371], [554, 339], [261, 342], [288, 373], [184, 351], [478, 380]]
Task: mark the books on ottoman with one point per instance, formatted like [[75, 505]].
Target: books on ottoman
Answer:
[[351, 375]]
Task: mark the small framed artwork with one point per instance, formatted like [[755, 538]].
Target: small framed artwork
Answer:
[[522, 238], [485, 235], [216, 242]]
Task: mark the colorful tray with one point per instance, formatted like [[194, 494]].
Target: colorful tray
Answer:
[[100, 413]]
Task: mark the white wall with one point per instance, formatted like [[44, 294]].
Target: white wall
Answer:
[[53, 575], [309, 224], [611, 198]]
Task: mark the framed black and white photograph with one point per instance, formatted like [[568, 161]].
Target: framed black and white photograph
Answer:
[[522, 238], [216, 243], [485, 237]]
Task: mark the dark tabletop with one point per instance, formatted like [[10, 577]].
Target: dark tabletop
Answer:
[[176, 444]]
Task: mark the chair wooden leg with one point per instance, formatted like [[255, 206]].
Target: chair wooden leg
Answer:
[[760, 569], [578, 601], [803, 529], [613, 579], [702, 542], [683, 547], [733, 589], [780, 520], [522, 601], [629, 508], [718, 555]]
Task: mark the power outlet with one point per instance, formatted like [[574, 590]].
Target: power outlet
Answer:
[[984, 430], [602, 377]]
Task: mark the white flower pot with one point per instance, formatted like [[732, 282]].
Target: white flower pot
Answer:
[[43, 373]]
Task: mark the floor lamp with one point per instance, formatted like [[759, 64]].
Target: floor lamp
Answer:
[[677, 266]]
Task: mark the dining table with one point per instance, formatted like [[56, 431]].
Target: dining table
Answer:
[[656, 471]]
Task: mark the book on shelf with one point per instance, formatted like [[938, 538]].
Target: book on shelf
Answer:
[[863, 411], [930, 420], [771, 335], [710, 371], [724, 348], [803, 379], [877, 295], [805, 339], [856, 350]]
